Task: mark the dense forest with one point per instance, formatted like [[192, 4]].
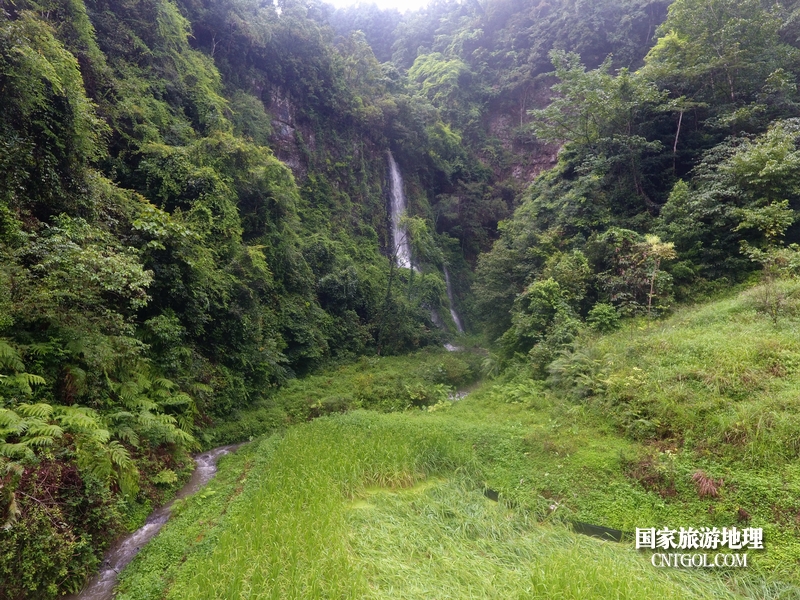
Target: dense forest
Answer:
[[193, 211]]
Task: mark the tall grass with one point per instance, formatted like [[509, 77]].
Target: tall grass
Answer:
[[389, 383], [721, 378], [449, 541], [335, 509], [286, 536]]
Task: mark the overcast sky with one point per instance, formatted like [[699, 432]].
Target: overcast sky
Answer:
[[402, 5]]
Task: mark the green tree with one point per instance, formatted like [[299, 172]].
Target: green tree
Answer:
[[723, 53], [776, 261], [704, 217], [632, 277]]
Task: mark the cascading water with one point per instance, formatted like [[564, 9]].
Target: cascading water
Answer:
[[397, 208], [453, 313]]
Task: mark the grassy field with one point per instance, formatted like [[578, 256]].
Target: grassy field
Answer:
[[383, 384], [382, 506], [372, 505]]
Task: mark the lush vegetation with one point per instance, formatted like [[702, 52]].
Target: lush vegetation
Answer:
[[441, 537], [161, 267], [672, 181], [383, 384], [394, 505], [195, 249]]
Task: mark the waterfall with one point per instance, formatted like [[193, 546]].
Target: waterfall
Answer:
[[397, 207], [453, 313]]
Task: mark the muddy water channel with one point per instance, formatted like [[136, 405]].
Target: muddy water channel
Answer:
[[101, 586]]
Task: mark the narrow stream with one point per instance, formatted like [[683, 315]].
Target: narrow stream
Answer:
[[101, 586]]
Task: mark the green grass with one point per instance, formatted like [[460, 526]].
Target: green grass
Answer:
[[389, 383], [564, 462], [369, 505], [191, 529], [449, 541], [722, 379], [309, 524], [284, 536]]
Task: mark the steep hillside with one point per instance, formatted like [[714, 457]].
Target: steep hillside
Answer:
[[195, 201], [674, 180], [163, 266], [485, 66]]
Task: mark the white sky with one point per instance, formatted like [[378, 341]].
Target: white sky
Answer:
[[401, 5]]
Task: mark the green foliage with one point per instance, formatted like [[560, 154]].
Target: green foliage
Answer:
[[771, 221], [723, 54], [571, 271], [634, 278], [49, 127], [603, 317], [535, 312], [591, 106], [382, 384], [738, 190], [192, 211]]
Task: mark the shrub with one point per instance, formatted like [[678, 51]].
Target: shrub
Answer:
[[603, 318]]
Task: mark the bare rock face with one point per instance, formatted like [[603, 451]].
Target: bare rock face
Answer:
[[508, 121], [286, 134], [530, 157]]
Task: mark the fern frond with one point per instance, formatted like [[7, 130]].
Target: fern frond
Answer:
[[186, 423], [200, 388], [39, 349], [167, 476], [77, 419], [127, 474], [146, 419], [77, 346], [120, 415], [119, 455], [39, 411], [31, 379], [11, 420], [164, 383], [179, 399], [141, 403], [17, 450], [129, 435], [128, 391], [128, 482], [52, 431], [12, 512], [21, 381], [182, 438], [163, 419], [38, 441], [10, 358], [14, 469], [93, 459], [101, 436]]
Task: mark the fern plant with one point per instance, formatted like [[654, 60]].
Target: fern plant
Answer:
[[580, 374], [152, 407], [142, 410]]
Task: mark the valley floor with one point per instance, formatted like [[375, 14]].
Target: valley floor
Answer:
[[375, 505]]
